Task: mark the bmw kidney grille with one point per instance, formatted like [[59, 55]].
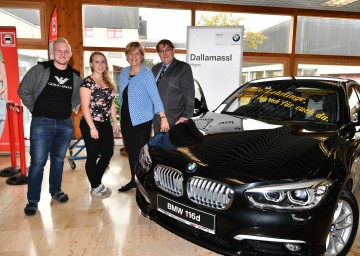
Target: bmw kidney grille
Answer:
[[168, 179], [206, 192], [209, 193]]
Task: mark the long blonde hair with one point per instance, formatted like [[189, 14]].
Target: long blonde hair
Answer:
[[105, 75]]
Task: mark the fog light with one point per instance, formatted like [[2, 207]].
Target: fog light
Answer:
[[293, 247]]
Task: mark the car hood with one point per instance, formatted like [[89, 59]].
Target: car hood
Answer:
[[211, 123], [260, 152]]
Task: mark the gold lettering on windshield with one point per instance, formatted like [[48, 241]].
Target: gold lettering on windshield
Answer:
[[280, 98], [305, 110], [322, 116], [287, 104]]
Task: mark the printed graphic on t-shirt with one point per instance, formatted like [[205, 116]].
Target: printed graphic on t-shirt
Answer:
[[60, 82], [55, 100]]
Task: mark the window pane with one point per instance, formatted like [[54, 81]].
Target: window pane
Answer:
[[327, 36], [263, 33], [251, 71], [88, 32], [147, 25], [26, 21], [349, 72]]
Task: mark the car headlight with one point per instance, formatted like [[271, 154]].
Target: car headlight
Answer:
[[145, 158], [290, 196]]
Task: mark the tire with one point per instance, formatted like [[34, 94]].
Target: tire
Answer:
[[344, 227]]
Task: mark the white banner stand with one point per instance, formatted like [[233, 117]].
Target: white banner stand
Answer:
[[215, 55]]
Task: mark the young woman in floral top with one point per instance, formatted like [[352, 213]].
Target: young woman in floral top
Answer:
[[97, 95]]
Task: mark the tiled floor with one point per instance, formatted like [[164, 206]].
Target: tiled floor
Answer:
[[87, 226]]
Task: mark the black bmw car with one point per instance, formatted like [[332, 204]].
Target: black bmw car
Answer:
[[273, 174]]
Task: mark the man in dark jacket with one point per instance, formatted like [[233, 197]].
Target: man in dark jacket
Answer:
[[50, 90], [175, 84]]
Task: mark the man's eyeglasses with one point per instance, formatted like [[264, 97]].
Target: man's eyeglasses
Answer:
[[166, 50]]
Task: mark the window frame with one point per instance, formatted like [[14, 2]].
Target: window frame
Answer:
[[268, 60], [22, 42], [324, 61], [87, 31], [114, 33]]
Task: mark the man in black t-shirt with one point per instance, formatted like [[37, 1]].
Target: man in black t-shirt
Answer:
[[50, 90]]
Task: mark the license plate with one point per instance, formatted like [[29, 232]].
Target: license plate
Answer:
[[188, 215]]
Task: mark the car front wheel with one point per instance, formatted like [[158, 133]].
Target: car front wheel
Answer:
[[344, 227]]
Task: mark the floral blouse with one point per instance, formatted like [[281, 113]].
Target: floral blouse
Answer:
[[100, 101]]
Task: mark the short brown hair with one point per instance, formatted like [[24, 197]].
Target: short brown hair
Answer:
[[132, 46], [164, 42]]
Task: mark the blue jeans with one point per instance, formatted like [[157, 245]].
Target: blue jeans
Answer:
[[162, 140], [47, 136]]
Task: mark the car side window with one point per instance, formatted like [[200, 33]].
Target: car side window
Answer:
[[354, 102]]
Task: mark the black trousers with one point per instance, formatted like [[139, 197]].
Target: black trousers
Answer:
[[99, 151], [135, 137]]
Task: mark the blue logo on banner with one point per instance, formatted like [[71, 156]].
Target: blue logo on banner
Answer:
[[236, 37]]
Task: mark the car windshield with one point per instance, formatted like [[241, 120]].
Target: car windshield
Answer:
[[294, 100]]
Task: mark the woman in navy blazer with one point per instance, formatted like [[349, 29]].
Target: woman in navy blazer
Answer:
[[139, 101]]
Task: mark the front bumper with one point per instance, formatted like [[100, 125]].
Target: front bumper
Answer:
[[242, 230]]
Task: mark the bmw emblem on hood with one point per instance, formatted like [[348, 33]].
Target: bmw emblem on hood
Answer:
[[191, 167]]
